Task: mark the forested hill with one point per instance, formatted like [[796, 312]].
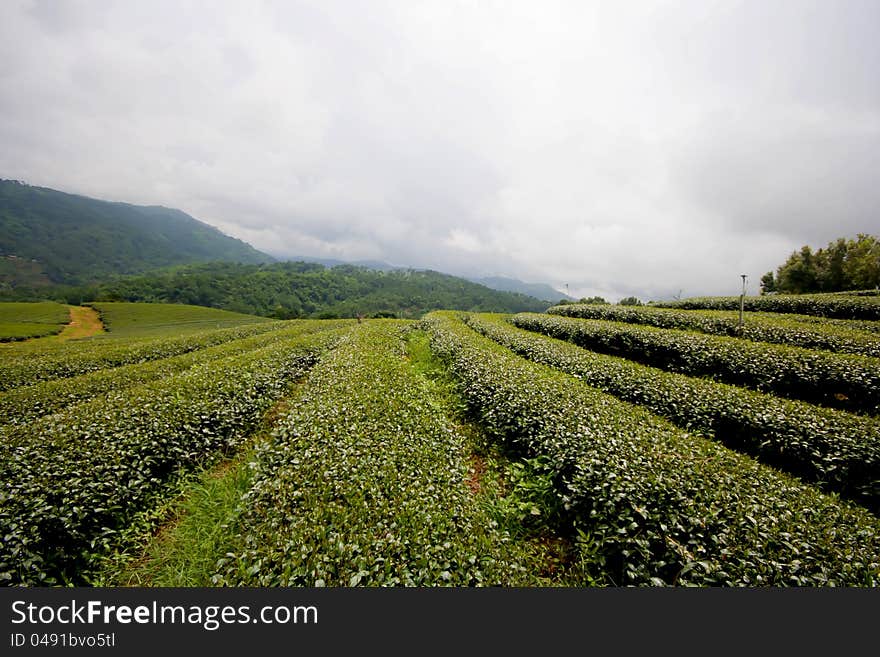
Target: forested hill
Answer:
[[298, 289], [47, 236]]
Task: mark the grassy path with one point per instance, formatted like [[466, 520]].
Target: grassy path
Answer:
[[84, 323], [193, 531]]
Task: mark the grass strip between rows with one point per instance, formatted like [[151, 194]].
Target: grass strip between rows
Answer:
[[182, 543]]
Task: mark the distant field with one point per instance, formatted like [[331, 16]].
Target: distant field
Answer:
[[154, 319], [20, 321]]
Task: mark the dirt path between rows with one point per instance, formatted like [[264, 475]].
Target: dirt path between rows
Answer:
[[84, 322]]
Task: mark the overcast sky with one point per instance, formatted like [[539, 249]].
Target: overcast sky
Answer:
[[650, 148]]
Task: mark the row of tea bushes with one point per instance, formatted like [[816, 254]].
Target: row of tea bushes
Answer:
[[75, 359], [862, 326], [837, 450], [78, 477], [820, 305], [654, 503], [837, 380], [760, 328], [22, 320], [363, 484], [19, 407]]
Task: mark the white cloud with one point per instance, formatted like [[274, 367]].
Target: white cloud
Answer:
[[620, 148], [463, 240]]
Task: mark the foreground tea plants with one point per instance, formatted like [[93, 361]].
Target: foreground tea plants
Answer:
[[72, 483], [363, 483], [654, 503], [760, 328], [838, 380], [838, 450]]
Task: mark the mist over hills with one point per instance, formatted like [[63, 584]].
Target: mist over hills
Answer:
[[540, 291], [537, 290]]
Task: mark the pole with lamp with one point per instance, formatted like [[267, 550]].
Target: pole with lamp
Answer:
[[742, 303]]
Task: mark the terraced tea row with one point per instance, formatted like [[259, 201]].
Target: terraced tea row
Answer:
[[820, 305], [72, 484], [864, 326], [837, 380], [30, 367], [19, 407], [363, 483], [759, 328], [653, 503], [837, 450]]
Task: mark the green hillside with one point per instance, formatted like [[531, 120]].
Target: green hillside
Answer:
[[297, 289], [47, 236]]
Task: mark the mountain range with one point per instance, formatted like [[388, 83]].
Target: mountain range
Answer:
[[59, 245]]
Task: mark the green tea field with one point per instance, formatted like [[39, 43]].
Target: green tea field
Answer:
[[21, 321], [592, 445]]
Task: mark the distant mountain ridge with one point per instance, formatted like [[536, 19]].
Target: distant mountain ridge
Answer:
[[53, 242], [76, 239], [538, 290], [377, 265]]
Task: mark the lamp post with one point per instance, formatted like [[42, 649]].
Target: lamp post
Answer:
[[742, 303]]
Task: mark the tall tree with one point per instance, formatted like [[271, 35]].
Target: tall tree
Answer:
[[862, 266], [845, 264], [831, 276], [799, 273]]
